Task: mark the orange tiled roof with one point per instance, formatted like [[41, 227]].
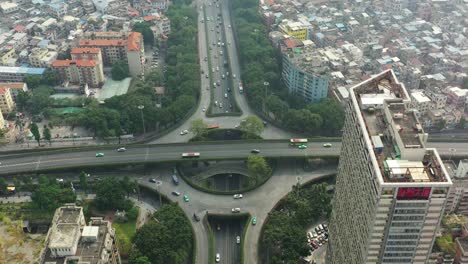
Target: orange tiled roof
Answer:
[[134, 41], [79, 63], [149, 18], [13, 85], [85, 50], [103, 42], [3, 90]]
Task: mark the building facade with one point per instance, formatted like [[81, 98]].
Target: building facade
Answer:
[[390, 189], [80, 72], [2, 121], [15, 87], [305, 76], [16, 74], [41, 57], [6, 100]]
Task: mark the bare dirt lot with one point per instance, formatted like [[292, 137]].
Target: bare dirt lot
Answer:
[[17, 247]]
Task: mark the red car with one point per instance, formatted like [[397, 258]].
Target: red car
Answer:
[[313, 244]]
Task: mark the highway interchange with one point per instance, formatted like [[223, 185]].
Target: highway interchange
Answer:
[[257, 202]]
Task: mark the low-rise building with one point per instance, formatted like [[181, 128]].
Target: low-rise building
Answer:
[[420, 102], [70, 240], [296, 29], [8, 57], [42, 57], [8, 7], [16, 74], [15, 87], [6, 101], [80, 71], [457, 96]]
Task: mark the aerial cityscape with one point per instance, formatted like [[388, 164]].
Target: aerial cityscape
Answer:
[[233, 131]]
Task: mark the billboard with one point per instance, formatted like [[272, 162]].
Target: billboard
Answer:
[[414, 193]]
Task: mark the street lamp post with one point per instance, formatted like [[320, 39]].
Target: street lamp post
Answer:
[[141, 107], [266, 84]]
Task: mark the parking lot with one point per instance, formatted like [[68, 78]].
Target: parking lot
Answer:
[[317, 238]]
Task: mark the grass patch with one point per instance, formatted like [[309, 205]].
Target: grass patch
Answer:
[[124, 232]]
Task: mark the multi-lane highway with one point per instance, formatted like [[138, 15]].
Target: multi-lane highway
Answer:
[[10, 163]]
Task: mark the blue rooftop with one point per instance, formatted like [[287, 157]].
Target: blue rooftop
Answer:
[[22, 70]]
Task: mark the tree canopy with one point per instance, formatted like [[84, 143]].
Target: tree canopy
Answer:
[[258, 167], [49, 195], [169, 240], [198, 127], [120, 70], [145, 29], [252, 125], [110, 194]]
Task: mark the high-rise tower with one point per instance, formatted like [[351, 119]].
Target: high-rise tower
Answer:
[[390, 190]]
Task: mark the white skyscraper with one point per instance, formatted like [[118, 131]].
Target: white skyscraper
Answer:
[[390, 190]]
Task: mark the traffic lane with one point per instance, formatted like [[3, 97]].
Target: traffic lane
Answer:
[[225, 240]]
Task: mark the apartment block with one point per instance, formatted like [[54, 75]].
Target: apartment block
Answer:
[[8, 57], [391, 190], [116, 46], [8, 7], [80, 72], [88, 54], [14, 87], [6, 101], [70, 240], [420, 102], [41, 57], [305, 73], [16, 74]]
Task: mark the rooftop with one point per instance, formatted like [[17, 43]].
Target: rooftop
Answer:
[[78, 63], [21, 70], [134, 41], [103, 42], [396, 137], [85, 50]]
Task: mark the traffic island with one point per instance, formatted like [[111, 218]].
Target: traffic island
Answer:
[[226, 177]]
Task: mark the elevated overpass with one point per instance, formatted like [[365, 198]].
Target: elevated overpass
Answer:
[[14, 163]]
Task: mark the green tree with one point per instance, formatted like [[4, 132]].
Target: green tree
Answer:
[[257, 167], [110, 195], [145, 29], [199, 128], [22, 99], [83, 181], [127, 185], [35, 131], [140, 260], [64, 55], [49, 196], [462, 123], [441, 124], [332, 114], [33, 81], [120, 70], [252, 125], [47, 135], [3, 185], [170, 240], [50, 77]]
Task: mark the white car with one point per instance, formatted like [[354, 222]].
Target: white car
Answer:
[[204, 109], [234, 76], [218, 257], [59, 180], [238, 239], [184, 132], [237, 196], [235, 210], [121, 149]]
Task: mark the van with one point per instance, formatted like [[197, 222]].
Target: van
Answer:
[[175, 179]]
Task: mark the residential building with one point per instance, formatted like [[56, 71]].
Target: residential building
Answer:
[[8, 57], [390, 190], [70, 240], [305, 74], [42, 57], [457, 96], [16, 74], [8, 7], [6, 101], [14, 87], [461, 249], [296, 29], [58, 9], [116, 46], [420, 102], [462, 169], [2, 121], [80, 71], [88, 54]]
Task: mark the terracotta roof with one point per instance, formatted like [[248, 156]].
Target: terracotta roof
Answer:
[[19, 28], [79, 63], [13, 85], [3, 90], [134, 41], [149, 18], [85, 50], [61, 63], [103, 42]]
